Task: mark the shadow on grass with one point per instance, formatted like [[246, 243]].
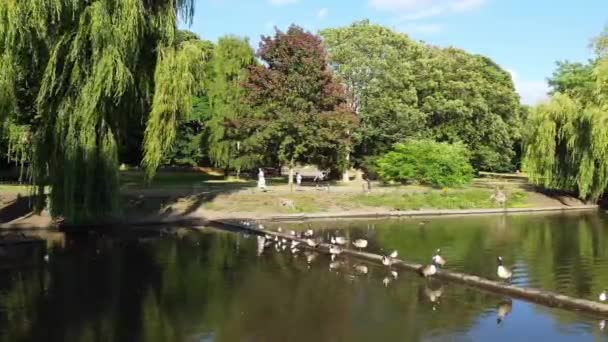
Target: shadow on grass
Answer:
[[17, 208]]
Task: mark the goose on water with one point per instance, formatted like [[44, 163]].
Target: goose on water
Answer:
[[312, 243], [428, 270], [387, 261], [360, 243], [339, 240], [502, 271], [309, 233], [394, 254], [438, 259]]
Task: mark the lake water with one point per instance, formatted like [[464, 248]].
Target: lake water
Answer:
[[212, 285]]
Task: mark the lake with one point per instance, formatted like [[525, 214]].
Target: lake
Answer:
[[210, 285]]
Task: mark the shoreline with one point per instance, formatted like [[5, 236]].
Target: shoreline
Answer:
[[202, 218]]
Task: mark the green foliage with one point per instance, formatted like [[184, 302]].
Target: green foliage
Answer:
[[427, 162], [228, 70], [299, 110], [574, 79], [406, 89], [80, 71]]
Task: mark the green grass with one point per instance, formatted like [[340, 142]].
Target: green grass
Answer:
[[437, 199]]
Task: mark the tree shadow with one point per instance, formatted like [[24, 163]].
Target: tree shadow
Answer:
[[20, 207]]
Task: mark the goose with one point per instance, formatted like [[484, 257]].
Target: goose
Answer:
[[360, 243], [293, 233], [294, 243], [394, 254], [335, 251], [502, 271], [46, 258], [294, 251], [261, 227], [387, 261], [428, 270], [504, 309], [603, 296], [438, 259], [309, 233], [280, 230], [312, 243], [394, 274]]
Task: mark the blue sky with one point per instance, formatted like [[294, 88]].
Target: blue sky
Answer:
[[525, 37]]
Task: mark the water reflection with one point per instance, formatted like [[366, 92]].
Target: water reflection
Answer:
[[221, 287]]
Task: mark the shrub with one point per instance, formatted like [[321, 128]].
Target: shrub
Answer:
[[427, 162]]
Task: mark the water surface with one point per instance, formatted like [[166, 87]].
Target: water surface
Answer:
[[213, 286]]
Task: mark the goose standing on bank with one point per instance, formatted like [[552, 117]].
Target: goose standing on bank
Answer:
[[438, 259], [360, 243], [387, 261], [502, 271]]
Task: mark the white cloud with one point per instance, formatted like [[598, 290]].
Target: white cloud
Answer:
[[420, 9], [323, 12], [426, 29], [283, 2], [531, 92]]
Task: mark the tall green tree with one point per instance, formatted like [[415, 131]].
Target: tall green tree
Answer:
[[574, 79], [378, 66], [87, 67], [299, 109], [232, 58]]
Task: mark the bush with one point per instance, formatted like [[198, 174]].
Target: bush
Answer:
[[427, 162]]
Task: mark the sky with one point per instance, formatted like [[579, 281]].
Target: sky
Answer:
[[525, 37]]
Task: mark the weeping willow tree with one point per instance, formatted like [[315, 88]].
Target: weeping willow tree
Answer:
[[89, 67], [567, 138], [231, 59]]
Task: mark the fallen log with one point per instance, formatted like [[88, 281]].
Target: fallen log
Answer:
[[542, 297]]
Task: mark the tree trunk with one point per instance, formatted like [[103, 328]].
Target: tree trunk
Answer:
[[345, 175], [290, 178]]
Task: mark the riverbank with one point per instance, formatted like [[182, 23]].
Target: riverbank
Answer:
[[188, 198]]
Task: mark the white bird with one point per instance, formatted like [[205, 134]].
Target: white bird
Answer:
[[394, 254], [603, 296], [502, 271], [438, 259], [360, 243]]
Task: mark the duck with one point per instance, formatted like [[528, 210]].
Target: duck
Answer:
[[428, 270], [360, 243], [504, 309], [438, 259], [502, 271], [603, 296]]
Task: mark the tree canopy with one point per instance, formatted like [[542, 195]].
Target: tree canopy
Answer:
[[79, 70], [403, 89], [300, 112]]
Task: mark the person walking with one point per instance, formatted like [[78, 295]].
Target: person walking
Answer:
[[261, 180]]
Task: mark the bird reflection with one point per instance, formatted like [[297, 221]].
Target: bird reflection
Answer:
[[504, 309], [433, 290], [362, 269], [602, 325]]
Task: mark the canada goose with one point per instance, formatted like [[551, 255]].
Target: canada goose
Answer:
[[361, 269], [312, 243], [294, 243], [293, 233], [294, 251], [387, 261], [309, 233], [438, 259], [603, 296], [428, 270], [394, 274], [502, 271], [46, 258], [360, 243], [261, 227], [394, 254], [339, 240], [504, 309]]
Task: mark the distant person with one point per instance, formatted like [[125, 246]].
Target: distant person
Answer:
[[261, 180], [298, 179]]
